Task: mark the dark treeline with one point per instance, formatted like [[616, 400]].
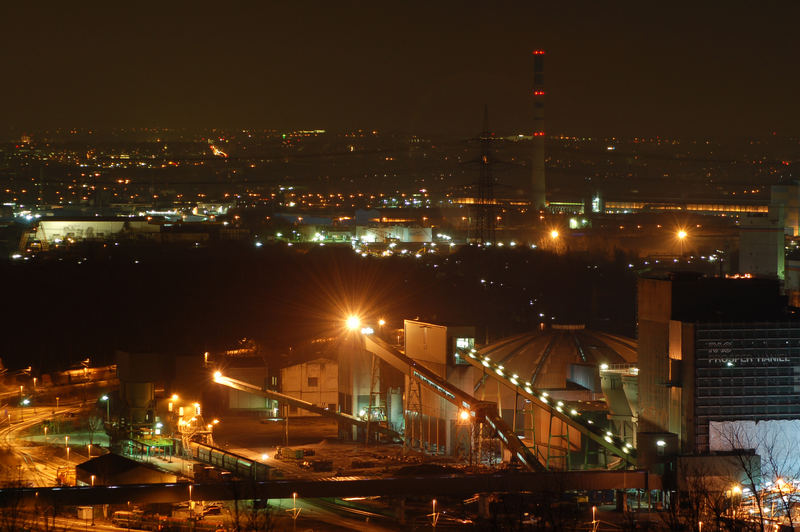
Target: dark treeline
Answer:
[[96, 298]]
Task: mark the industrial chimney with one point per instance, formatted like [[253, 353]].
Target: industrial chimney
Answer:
[[538, 198]]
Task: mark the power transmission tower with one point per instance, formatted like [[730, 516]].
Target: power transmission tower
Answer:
[[484, 218]]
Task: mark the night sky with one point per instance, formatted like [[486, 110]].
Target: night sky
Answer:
[[613, 68]]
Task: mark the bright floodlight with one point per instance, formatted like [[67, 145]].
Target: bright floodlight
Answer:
[[464, 415], [381, 322], [554, 234], [217, 375], [681, 234], [353, 322], [104, 398]]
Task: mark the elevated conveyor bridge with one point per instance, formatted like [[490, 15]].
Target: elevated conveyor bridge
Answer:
[[348, 419], [479, 410], [570, 416]]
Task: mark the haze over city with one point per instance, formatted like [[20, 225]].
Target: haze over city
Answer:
[[617, 69]]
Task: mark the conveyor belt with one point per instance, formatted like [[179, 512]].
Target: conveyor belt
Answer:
[[305, 405], [478, 409], [572, 417]]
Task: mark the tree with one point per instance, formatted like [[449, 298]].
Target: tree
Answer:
[[744, 443], [94, 424]]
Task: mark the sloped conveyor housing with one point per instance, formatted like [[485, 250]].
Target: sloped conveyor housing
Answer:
[[571, 417], [305, 405], [480, 410]]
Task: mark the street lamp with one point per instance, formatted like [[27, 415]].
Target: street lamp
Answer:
[[108, 402], [353, 322], [435, 515], [464, 420], [25, 402], [554, 234], [681, 236]]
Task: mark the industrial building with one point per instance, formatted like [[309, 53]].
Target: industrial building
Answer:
[[427, 382], [762, 244], [48, 234], [591, 370], [715, 354], [315, 381]]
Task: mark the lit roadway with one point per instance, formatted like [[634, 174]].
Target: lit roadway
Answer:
[[33, 469]]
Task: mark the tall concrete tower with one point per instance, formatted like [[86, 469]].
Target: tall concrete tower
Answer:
[[538, 197]]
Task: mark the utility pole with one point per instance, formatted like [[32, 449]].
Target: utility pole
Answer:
[[286, 425]]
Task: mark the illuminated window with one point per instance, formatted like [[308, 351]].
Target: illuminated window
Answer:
[[463, 343], [313, 382]]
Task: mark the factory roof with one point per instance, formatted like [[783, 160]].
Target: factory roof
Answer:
[[547, 357]]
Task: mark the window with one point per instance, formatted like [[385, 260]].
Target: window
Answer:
[[274, 381], [313, 382], [463, 343]]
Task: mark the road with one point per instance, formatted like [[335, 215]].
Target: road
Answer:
[[35, 465]]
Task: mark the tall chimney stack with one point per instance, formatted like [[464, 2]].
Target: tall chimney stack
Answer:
[[538, 198]]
